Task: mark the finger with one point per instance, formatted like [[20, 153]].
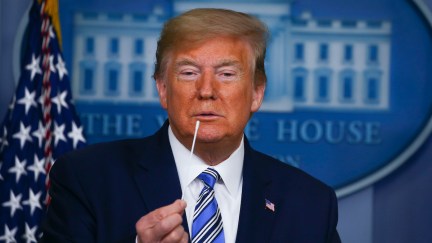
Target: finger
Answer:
[[155, 225], [169, 225], [154, 217], [161, 229], [185, 238], [176, 235]]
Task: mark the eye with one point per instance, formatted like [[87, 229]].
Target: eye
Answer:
[[227, 75], [187, 74]]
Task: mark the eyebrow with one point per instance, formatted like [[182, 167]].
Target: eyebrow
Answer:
[[219, 64], [185, 62], [229, 62]]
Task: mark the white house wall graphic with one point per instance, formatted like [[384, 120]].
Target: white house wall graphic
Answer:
[[347, 94], [311, 63]]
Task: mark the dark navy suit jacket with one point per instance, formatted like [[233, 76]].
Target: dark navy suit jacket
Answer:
[[99, 193]]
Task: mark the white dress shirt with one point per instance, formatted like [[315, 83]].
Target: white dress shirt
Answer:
[[228, 191]]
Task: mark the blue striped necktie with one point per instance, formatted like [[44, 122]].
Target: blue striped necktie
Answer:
[[207, 220]]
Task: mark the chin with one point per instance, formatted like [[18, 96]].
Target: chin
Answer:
[[209, 137]]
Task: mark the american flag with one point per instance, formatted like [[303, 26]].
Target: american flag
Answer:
[[40, 125], [269, 205]]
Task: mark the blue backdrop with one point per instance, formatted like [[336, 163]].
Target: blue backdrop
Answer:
[[393, 209]]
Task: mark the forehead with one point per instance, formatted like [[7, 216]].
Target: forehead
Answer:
[[214, 51]]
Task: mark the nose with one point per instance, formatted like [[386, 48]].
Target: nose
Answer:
[[206, 87]]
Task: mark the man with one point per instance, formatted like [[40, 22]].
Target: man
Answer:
[[209, 68]]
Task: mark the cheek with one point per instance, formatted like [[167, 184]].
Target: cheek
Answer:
[[240, 106], [180, 98], [180, 94]]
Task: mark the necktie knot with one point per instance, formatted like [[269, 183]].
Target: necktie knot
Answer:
[[209, 177]]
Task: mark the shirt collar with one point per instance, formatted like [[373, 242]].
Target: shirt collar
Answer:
[[189, 167]]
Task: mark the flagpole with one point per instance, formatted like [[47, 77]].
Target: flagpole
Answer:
[[46, 91]]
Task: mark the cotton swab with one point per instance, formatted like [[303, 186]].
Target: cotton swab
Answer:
[[194, 138], [193, 144]]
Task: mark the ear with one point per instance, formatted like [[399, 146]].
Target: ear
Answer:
[[162, 91], [257, 96]]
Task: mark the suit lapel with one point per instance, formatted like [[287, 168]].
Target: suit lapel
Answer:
[[256, 221], [156, 175]]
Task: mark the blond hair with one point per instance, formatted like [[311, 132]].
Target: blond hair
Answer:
[[202, 24]]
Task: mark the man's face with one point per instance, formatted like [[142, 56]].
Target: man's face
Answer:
[[212, 82]]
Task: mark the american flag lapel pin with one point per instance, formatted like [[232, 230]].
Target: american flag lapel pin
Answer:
[[269, 205]]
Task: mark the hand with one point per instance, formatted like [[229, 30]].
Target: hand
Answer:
[[163, 224]]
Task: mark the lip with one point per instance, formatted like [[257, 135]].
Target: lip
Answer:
[[207, 115]]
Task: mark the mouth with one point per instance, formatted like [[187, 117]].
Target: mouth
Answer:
[[207, 116]]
